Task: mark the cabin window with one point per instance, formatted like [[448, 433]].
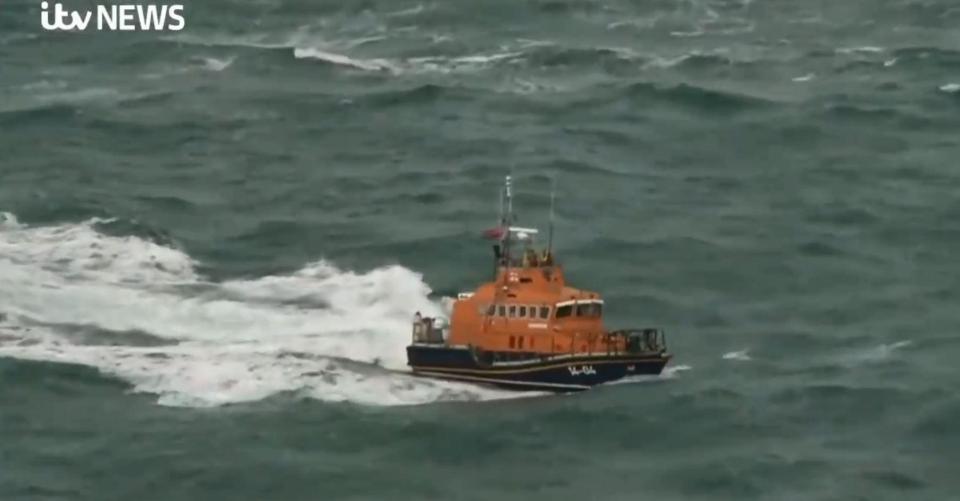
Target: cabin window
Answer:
[[589, 309], [513, 311], [502, 310], [513, 342], [533, 312], [520, 343], [491, 309], [564, 311], [544, 312], [523, 311]]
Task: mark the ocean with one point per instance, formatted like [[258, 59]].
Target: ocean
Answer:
[[213, 241]]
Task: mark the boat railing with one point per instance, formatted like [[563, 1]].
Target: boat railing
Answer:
[[642, 340], [617, 342], [426, 330]]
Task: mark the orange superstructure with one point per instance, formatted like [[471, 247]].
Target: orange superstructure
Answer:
[[530, 308]]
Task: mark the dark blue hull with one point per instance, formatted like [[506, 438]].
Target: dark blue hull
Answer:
[[561, 373]]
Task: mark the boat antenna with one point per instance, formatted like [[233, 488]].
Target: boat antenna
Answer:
[[553, 191], [502, 215], [507, 220], [509, 201]]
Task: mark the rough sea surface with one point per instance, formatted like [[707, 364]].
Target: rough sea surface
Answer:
[[213, 241]]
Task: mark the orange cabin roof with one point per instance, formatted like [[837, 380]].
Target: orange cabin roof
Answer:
[[532, 296], [530, 285]]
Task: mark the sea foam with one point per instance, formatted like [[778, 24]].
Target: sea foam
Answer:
[[319, 332]]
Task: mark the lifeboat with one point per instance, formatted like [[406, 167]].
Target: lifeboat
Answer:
[[527, 328]]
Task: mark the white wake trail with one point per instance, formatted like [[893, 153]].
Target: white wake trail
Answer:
[[320, 332]]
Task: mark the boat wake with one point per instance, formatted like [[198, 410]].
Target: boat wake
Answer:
[[669, 372], [141, 312]]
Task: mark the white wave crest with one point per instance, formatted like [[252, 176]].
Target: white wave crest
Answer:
[[343, 60], [866, 49], [740, 356], [415, 65], [669, 372], [875, 354], [674, 371], [320, 332], [8, 220], [214, 64]]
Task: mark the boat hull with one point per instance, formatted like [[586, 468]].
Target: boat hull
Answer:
[[564, 373]]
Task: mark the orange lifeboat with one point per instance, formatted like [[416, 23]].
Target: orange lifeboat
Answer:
[[529, 329]]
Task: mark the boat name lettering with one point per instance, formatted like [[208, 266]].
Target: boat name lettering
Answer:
[[582, 370]]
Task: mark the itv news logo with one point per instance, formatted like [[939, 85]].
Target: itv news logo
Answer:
[[117, 17]]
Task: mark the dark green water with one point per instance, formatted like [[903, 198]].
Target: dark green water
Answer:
[[213, 241]]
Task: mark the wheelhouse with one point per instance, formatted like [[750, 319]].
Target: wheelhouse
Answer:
[[588, 308]]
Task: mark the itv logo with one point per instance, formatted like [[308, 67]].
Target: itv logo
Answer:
[[118, 17]]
